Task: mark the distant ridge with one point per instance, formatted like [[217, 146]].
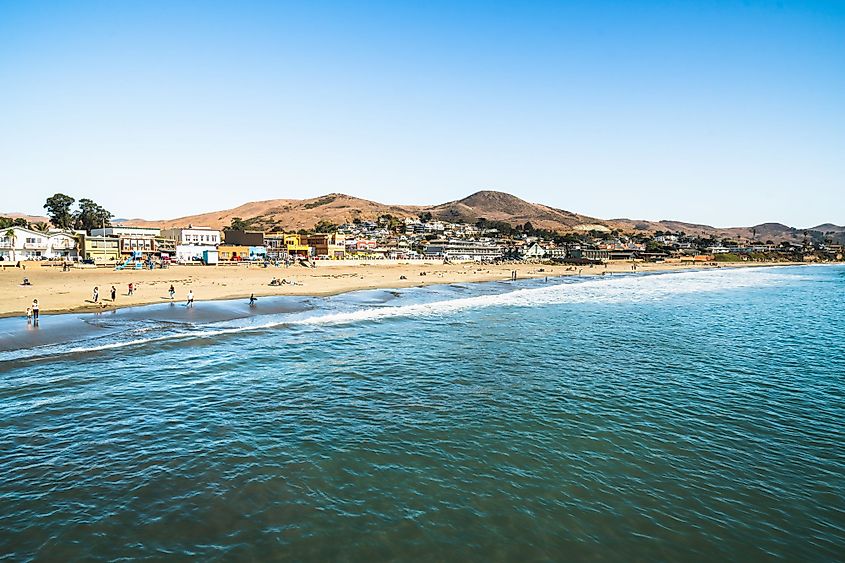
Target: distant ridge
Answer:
[[339, 208], [500, 206]]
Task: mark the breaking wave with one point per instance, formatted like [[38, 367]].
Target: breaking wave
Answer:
[[600, 290]]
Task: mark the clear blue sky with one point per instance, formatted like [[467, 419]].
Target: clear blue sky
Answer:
[[727, 113]]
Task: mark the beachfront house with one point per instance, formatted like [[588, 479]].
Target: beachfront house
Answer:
[[585, 253], [21, 243], [198, 236], [232, 253], [327, 245], [281, 246], [126, 231], [99, 250], [243, 238], [534, 252], [192, 253], [463, 250], [192, 242]]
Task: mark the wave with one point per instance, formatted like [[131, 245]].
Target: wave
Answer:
[[626, 288]]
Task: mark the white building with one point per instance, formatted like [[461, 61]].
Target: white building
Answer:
[[204, 236], [192, 252], [120, 230], [463, 250], [535, 252], [20, 243]]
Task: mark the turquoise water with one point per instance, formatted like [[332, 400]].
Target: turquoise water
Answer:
[[683, 416]]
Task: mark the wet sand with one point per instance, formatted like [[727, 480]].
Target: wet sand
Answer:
[[60, 292]]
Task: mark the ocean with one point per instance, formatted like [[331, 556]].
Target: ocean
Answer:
[[680, 416]]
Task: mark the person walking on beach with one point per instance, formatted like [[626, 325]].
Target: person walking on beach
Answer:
[[190, 302], [131, 289], [35, 311], [171, 291], [96, 295], [113, 294]]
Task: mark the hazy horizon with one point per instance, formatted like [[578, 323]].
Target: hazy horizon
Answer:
[[727, 114]]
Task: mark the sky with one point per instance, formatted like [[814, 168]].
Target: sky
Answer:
[[718, 112]]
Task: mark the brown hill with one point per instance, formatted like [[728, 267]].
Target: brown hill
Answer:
[[289, 214], [28, 218], [295, 214], [500, 206]]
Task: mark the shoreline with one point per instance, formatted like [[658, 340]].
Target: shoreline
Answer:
[[70, 292]]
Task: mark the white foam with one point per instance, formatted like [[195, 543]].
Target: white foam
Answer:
[[610, 289]]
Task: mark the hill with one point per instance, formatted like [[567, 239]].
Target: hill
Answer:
[[500, 206], [295, 214], [28, 218], [289, 214]]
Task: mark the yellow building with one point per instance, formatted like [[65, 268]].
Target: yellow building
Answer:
[[281, 245], [230, 252], [99, 250]]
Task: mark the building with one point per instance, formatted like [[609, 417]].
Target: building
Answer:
[[187, 253], [202, 236], [463, 250], [327, 245], [281, 246], [120, 230], [137, 245], [579, 253], [232, 253], [99, 250], [21, 243], [243, 238], [534, 252]]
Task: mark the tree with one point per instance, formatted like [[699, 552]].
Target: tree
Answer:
[[324, 226], [5, 222], [237, 224], [10, 234], [425, 217], [58, 209], [40, 226], [19, 222], [91, 216]]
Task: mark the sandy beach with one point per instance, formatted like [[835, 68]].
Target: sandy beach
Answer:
[[59, 291]]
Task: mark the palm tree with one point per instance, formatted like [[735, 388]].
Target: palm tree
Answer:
[[40, 226], [10, 234]]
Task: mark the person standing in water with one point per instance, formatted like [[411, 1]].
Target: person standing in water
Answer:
[[252, 300], [35, 311], [190, 302]]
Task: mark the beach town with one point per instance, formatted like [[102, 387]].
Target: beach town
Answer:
[[44, 269]]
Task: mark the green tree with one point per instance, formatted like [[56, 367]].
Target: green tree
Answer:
[[324, 226], [40, 226], [5, 222], [58, 209], [425, 216], [237, 224], [91, 216], [10, 234]]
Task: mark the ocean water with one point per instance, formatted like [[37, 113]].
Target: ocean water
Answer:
[[679, 416]]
